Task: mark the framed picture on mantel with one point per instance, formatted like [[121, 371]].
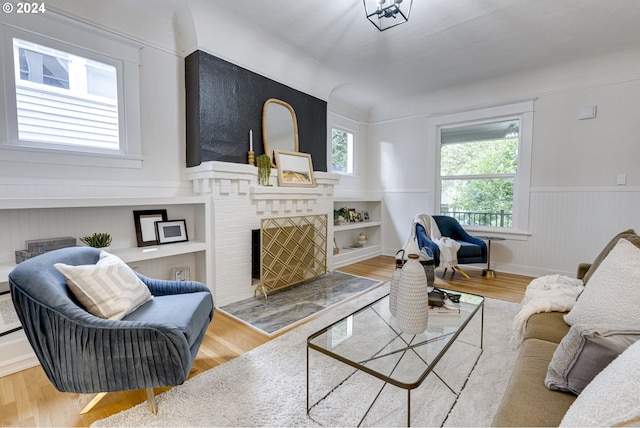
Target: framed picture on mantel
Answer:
[[294, 169]]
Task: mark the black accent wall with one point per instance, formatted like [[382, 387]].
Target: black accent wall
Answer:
[[224, 101]]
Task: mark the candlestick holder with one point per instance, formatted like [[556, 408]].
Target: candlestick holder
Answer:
[[252, 158]]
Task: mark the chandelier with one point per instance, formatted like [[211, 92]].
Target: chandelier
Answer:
[[385, 14]]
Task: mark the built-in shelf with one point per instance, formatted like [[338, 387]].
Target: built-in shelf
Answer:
[[345, 235], [356, 225], [113, 215], [24, 219]]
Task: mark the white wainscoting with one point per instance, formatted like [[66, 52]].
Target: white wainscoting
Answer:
[[567, 226]]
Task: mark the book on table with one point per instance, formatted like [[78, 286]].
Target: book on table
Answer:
[[446, 309]]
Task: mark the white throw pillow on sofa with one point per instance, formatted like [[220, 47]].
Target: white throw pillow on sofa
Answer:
[[110, 289], [612, 295], [612, 398]]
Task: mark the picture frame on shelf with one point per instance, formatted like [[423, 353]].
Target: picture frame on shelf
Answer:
[[145, 223], [294, 169], [365, 215], [171, 231]]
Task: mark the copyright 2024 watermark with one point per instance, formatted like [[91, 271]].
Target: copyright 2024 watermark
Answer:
[[24, 8]]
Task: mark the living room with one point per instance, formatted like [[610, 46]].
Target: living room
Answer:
[[580, 187]]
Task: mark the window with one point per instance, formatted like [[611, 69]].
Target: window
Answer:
[[478, 166], [483, 167], [64, 99], [342, 151], [71, 93]]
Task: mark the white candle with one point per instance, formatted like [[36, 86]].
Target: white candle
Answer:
[[251, 140]]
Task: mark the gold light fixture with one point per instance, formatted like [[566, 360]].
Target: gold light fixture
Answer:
[[385, 14]]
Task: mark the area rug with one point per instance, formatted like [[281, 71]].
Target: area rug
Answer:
[[293, 305], [267, 386]]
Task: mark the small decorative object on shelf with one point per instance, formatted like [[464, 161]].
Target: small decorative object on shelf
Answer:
[[264, 169], [36, 247], [341, 216], [412, 310], [97, 240], [251, 158], [362, 239]]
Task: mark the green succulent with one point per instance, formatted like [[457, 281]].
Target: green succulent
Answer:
[[97, 240]]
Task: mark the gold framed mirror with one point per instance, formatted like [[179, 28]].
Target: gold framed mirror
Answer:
[[279, 127]]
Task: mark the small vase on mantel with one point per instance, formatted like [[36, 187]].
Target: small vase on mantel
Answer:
[[412, 306]]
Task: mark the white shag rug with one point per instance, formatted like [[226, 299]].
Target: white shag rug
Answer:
[[267, 386]]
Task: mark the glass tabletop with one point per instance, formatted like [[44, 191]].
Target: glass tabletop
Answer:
[[370, 340]]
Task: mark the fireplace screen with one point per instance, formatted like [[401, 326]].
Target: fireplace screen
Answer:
[[293, 249]]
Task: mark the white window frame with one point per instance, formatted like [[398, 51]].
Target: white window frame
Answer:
[[69, 35], [522, 182]]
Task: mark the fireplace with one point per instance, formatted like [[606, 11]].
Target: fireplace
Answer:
[[239, 206], [292, 250]]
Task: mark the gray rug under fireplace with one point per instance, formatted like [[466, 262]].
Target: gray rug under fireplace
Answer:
[[294, 304]]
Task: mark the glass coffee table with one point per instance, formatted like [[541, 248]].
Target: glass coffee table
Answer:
[[369, 355]]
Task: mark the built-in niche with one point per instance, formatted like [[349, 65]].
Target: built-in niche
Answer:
[[224, 101]]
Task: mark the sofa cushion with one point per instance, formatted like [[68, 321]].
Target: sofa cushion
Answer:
[[188, 312], [527, 402], [629, 234], [613, 292], [611, 399], [109, 289], [549, 326], [584, 352]]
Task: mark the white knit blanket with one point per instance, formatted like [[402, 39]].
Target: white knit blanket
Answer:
[[546, 294], [448, 247]]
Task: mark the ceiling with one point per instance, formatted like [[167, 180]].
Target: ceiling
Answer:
[[445, 43]]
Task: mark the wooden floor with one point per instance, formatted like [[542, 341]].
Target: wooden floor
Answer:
[[27, 398]]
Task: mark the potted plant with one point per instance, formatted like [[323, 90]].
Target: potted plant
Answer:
[[341, 216], [264, 169], [97, 240]]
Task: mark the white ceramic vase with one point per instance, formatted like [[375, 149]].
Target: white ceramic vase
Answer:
[[393, 291], [412, 306]]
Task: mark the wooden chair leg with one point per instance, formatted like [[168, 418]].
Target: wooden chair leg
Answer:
[[95, 400], [463, 272], [151, 398]]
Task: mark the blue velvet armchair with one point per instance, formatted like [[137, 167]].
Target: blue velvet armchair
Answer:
[[472, 249], [154, 346]]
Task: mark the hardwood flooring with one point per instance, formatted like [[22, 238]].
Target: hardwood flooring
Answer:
[[27, 398]]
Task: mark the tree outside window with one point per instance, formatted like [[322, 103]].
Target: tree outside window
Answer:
[[478, 167], [341, 151]]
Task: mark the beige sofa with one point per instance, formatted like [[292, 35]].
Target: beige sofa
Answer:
[[526, 401]]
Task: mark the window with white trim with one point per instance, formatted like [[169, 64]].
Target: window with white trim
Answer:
[[64, 99], [484, 166], [71, 93], [478, 167]]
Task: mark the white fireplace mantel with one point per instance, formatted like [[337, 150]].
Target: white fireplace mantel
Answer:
[[238, 205]]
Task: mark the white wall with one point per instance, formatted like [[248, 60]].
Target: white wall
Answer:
[[162, 115], [575, 204]]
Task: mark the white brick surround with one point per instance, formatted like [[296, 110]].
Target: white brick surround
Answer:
[[237, 206]]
